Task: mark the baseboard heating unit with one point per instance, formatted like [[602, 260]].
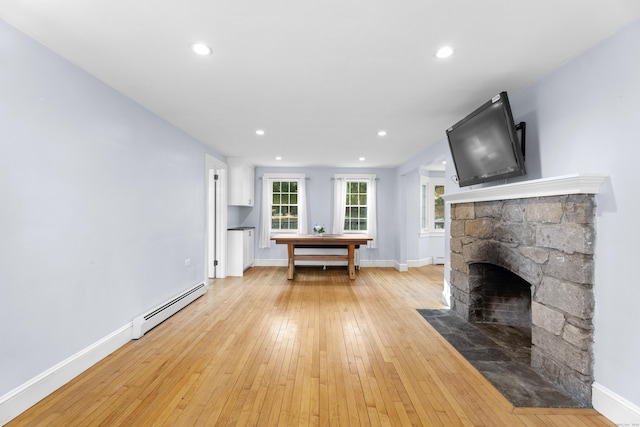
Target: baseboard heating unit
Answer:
[[146, 322]]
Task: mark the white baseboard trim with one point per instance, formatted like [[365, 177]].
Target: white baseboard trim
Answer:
[[446, 293], [419, 262], [377, 263], [403, 268], [425, 261], [615, 407], [22, 398]]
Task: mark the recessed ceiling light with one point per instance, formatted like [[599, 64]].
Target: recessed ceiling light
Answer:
[[260, 132], [278, 158], [201, 49], [444, 52], [361, 159], [382, 133]]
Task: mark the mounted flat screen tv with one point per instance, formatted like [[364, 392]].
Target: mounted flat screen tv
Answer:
[[485, 145]]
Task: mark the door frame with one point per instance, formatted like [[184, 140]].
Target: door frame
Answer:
[[216, 217]]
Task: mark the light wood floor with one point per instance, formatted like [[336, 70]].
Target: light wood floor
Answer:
[[320, 350]]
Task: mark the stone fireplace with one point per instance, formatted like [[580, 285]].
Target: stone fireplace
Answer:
[[523, 255]]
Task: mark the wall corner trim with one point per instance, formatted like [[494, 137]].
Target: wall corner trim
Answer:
[[401, 267], [28, 394], [615, 407]]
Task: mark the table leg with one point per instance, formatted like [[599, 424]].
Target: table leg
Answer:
[[291, 263], [352, 268]]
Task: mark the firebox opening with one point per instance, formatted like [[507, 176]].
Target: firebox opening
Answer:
[[501, 307], [499, 296]]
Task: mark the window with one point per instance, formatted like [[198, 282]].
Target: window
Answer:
[[355, 214], [354, 205], [431, 205], [283, 206]]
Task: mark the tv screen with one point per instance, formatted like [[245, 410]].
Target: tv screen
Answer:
[[485, 146]]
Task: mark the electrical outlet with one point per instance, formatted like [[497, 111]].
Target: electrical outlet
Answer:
[[187, 262]]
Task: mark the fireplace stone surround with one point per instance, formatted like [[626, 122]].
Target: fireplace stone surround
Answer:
[[543, 231]]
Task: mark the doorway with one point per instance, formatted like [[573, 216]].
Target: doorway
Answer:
[[216, 217]]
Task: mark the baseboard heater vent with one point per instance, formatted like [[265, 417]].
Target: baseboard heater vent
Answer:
[[146, 322]]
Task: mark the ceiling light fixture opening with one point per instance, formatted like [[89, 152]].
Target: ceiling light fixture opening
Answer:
[[201, 49], [444, 52], [361, 159], [382, 133], [260, 132], [278, 158]]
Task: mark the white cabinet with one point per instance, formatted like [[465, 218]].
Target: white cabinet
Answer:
[[241, 182], [248, 256], [240, 250]]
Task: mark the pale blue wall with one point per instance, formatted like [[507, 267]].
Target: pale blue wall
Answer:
[[428, 246], [411, 246], [320, 202], [101, 203]]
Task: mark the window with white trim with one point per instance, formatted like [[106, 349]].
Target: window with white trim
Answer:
[[431, 205], [354, 205], [355, 214], [283, 207]]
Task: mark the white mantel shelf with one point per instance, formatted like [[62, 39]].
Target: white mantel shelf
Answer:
[[556, 186]]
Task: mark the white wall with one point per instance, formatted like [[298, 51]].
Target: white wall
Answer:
[[101, 203]]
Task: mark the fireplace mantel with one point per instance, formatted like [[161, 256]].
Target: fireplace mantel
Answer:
[[556, 186]]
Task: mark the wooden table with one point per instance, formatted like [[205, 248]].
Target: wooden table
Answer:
[[348, 240]]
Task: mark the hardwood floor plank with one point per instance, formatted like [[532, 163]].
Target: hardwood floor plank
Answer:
[[317, 350]]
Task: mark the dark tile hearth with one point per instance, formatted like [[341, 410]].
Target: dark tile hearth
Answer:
[[502, 355]]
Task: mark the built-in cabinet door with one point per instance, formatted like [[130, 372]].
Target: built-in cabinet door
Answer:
[[248, 248], [241, 182], [240, 250]]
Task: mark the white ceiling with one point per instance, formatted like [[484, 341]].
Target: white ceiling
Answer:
[[320, 77]]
